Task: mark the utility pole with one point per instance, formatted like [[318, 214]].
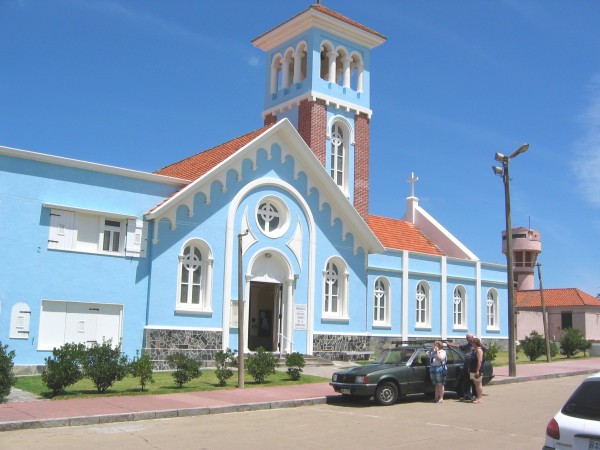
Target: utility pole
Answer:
[[240, 313], [546, 337]]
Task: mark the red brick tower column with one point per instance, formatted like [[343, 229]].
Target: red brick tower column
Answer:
[[312, 126], [270, 119], [362, 126]]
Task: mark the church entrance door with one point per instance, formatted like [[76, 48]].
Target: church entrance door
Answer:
[[264, 318]]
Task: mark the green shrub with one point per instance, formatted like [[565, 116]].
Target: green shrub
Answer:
[[185, 368], [7, 377], [492, 352], [534, 346], [294, 362], [553, 349], [572, 342], [104, 364], [224, 360], [261, 364], [63, 368], [142, 368]]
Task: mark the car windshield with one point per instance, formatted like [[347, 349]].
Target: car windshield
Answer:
[[585, 401], [394, 356]]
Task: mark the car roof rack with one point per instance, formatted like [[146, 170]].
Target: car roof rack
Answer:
[[419, 342]]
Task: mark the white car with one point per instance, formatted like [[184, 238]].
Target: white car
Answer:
[[577, 424]]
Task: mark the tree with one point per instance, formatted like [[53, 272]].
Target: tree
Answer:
[[104, 364], [7, 377], [63, 368], [534, 346], [141, 367], [186, 368], [572, 342], [261, 364], [224, 360], [294, 362]]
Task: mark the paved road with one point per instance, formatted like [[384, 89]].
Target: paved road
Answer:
[[513, 416]]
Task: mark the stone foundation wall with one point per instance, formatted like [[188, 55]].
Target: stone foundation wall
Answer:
[[333, 347], [199, 345]]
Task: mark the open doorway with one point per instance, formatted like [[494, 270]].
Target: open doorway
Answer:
[[264, 318]]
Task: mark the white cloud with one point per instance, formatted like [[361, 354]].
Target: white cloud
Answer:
[[253, 61], [587, 162]]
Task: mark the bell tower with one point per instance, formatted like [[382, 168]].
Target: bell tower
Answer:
[[318, 77]]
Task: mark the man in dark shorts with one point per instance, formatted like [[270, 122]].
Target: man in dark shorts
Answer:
[[467, 388]]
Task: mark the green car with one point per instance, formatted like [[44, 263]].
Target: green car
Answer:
[[402, 370]]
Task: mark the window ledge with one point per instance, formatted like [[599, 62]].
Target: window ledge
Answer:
[[423, 327], [493, 330], [382, 326], [335, 319], [459, 328], [198, 312]]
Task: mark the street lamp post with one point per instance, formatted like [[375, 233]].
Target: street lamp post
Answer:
[[240, 313], [503, 172]]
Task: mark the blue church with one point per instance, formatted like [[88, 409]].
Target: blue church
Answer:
[[275, 221]]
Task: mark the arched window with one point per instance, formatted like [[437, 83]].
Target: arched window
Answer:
[[195, 277], [492, 310], [460, 307], [276, 74], [339, 155], [423, 305], [381, 302], [287, 69], [335, 291], [356, 73], [300, 62], [328, 64]]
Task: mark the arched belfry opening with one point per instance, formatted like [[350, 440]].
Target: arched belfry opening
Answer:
[[269, 309]]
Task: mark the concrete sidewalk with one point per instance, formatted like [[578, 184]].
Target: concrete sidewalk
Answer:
[[24, 412]]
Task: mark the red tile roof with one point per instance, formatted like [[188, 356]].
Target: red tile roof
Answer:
[[401, 235], [555, 297], [330, 13], [197, 165]]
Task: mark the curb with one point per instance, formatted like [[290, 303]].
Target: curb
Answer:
[[150, 415], [201, 411], [511, 380]]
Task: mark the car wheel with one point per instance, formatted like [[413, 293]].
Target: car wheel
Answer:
[[386, 393]]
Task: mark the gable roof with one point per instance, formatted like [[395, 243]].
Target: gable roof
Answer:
[[555, 298], [402, 235], [197, 165], [231, 156]]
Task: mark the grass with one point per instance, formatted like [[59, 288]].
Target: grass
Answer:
[[163, 384], [502, 358]]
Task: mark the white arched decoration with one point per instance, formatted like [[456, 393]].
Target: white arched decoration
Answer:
[[231, 246]]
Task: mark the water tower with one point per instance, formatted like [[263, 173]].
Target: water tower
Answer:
[[526, 246]]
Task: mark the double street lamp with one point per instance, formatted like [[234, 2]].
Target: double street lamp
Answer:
[[503, 172]]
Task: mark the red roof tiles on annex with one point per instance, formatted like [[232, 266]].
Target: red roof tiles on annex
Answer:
[[555, 297], [401, 235]]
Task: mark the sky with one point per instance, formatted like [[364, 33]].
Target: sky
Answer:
[[142, 84]]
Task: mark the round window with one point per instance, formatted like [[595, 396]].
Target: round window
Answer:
[[272, 217]]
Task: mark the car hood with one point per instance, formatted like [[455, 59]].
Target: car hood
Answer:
[[365, 370]]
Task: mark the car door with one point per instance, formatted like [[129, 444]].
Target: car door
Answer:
[[419, 378], [454, 363]]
